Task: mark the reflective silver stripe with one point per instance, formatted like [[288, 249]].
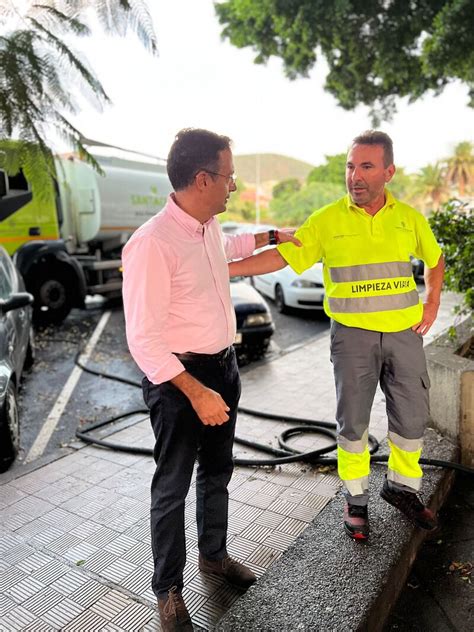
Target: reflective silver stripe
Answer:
[[369, 271], [363, 305], [408, 445], [414, 483], [357, 485], [354, 447]]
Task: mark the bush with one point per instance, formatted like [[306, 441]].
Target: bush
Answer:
[[453, 227]]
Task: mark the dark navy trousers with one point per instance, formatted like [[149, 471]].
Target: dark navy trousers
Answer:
[[180, 439]]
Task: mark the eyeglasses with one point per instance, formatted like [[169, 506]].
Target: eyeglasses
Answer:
[[230, 179]]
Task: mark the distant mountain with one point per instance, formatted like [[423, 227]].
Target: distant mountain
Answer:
[[273, 167]]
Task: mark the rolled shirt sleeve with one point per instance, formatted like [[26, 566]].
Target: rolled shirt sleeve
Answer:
[[238, 246], [146, 300]]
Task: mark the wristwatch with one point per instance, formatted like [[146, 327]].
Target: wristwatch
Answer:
[[273, 237]]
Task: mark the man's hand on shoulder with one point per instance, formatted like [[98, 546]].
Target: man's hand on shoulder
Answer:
[[276, 236], [430, 311], [287, 235]]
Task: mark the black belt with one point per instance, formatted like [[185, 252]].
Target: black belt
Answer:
[[190, 356]]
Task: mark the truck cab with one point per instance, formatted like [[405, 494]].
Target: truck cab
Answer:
[[71, 245]]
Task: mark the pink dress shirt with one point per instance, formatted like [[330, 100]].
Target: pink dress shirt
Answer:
[[176, 292]]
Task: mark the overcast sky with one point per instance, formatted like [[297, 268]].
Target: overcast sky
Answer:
[[200, 81]]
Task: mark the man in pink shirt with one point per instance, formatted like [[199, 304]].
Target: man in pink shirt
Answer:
[[180, 328]]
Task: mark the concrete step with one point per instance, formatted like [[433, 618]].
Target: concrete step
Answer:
[[326, 582]]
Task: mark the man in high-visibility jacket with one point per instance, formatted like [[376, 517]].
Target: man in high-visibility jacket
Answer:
[[365, 241]]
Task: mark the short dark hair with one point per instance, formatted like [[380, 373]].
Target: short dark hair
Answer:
[[194, 150], [374, 137]]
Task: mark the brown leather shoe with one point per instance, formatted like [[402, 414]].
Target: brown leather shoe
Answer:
[[235, 573], [174, 616]]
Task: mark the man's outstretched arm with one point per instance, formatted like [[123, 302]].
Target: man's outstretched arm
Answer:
[[267, 261]]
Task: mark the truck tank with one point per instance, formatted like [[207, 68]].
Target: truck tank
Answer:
[[130, 193], [110, 207]]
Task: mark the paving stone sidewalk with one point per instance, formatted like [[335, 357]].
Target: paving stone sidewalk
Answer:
[[74, 551]]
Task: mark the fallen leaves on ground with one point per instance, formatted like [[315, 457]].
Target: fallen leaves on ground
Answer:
[[462, 570]]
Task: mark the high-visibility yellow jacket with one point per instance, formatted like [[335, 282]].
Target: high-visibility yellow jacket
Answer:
[[366, 261]]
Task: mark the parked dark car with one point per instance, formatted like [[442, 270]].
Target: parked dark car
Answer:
[[254, 320], [16, 353], [418, 268]]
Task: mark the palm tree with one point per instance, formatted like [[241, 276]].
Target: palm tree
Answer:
[[37, 67], [460, 172], [430, 184]]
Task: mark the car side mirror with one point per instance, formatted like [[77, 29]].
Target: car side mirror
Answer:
[[20, 299]]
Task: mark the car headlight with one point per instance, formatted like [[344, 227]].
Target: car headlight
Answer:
[[254, 320], [305, 283]]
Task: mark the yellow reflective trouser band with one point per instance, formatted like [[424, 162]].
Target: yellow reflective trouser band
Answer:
[[404, 464], [352, 465], [369, 271], [366, 304]]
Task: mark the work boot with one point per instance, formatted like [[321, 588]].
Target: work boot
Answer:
[[235, 573], [410, 505], [174, 616], [356, 521]]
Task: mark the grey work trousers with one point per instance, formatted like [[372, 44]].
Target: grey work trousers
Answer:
[[362, 359]]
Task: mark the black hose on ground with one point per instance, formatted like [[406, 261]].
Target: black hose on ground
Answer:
[[282, 455]]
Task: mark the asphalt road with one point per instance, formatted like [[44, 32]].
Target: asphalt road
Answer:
[[296, 327], [94, 398]]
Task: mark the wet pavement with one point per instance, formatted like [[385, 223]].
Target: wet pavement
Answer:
[[74, 551], [56, 348]]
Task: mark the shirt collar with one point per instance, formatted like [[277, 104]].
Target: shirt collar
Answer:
[[389, 201], [190, 224]]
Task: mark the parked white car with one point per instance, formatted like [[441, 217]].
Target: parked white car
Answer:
[[288, 289]]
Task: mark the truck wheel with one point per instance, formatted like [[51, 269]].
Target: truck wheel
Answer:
[[9, 429], [53, 297]]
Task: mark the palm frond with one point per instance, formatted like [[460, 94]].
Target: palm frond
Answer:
[[36, 66], [51, 18], [51, 39], [7, 11], [117, 16], [142, 24], [74, 136], [35, 162]]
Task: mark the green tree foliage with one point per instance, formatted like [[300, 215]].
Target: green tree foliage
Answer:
[[286, 187], [402, 183], [333, 170], [430, 186], [376, 51], [460, 168], [453, 226], [37, 69], [293, 210], [239, 210]]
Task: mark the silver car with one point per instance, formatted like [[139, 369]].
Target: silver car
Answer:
[[16, 353]]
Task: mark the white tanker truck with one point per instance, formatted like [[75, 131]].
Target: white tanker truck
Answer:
[[72, 247]]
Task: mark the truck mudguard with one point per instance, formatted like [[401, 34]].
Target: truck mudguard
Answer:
[[40, 253]]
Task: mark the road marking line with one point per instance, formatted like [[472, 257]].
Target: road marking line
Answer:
[[54, 416]]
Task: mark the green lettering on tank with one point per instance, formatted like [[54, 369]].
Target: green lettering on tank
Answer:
[[148, 200]]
